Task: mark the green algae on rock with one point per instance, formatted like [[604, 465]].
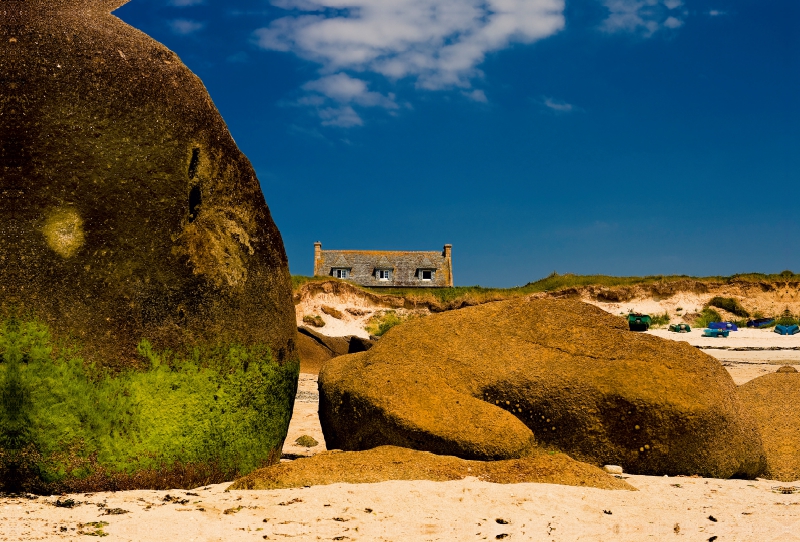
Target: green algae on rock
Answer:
[[129, 214], [217, 411]]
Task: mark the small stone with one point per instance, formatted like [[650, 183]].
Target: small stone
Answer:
[[613, 469]]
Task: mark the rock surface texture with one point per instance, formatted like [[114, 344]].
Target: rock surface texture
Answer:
[[773, 401], [315, 348], [128, 211], [132, 225], [500, 380]]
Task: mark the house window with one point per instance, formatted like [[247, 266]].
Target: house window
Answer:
[[383, 274], [341, 273], [426, 274]]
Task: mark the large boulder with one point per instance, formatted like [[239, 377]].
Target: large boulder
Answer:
[[500, 380], [314, 348], [128, 210], [132, 223], [773, 401]]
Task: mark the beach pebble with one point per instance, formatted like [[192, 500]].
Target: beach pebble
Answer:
[[613, 469]]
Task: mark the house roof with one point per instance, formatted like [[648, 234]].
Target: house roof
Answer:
[[404, 266]]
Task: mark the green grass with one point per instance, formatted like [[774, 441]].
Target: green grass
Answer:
[[299, 280], [381, 323], [729, 304], [462, 295], [61, 419], [707, 315], [659, 320], [785, 319]]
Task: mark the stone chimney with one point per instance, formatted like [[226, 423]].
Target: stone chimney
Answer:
[[448, 261], [317, 256]]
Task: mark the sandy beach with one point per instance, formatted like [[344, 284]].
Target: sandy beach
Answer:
[[679, 508], [663, 507]]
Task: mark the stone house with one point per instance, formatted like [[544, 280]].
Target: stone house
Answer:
[[388, 268]]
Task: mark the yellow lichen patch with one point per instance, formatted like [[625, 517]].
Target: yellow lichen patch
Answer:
[[216, 242], [63, 231]]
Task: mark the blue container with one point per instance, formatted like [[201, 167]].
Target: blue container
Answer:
[[787, 330], [761, 322], [716, 332], [723, 325]]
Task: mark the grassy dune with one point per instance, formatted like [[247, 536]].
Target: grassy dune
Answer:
[[459, 295]]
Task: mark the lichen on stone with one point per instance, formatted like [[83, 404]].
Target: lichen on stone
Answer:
[[63, 231], [217, 243]]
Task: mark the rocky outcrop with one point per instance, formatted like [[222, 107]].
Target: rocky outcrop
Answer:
[[315, 348], [773, 401], [132, 226], [503, 379], [128, 210]]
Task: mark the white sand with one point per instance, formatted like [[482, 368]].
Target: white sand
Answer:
[[664, 508]]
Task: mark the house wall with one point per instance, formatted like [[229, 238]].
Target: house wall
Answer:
[[404, 266]]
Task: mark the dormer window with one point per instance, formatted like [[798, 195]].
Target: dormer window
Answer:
[[340, 272], [425, 274], [383, 274]]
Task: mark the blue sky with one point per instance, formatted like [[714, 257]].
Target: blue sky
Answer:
[[621, 137]]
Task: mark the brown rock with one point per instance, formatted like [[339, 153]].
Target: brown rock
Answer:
[[773, 401], [315, 348], [499, 380], [128, 210], [337, 346], [312, 354]]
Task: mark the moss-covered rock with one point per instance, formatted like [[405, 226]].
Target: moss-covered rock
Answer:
[[129, 214], [199, 416], [500, 380]]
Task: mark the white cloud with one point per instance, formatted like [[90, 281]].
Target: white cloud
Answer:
[[476, 95], [343, 117], [184, 27], [642, 16], [716, 13], [185, 3], [439, 44], [334, 96], [342, 88], [558, 106]]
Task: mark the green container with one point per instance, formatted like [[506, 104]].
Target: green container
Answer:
[[680, 328], [638, 322]]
